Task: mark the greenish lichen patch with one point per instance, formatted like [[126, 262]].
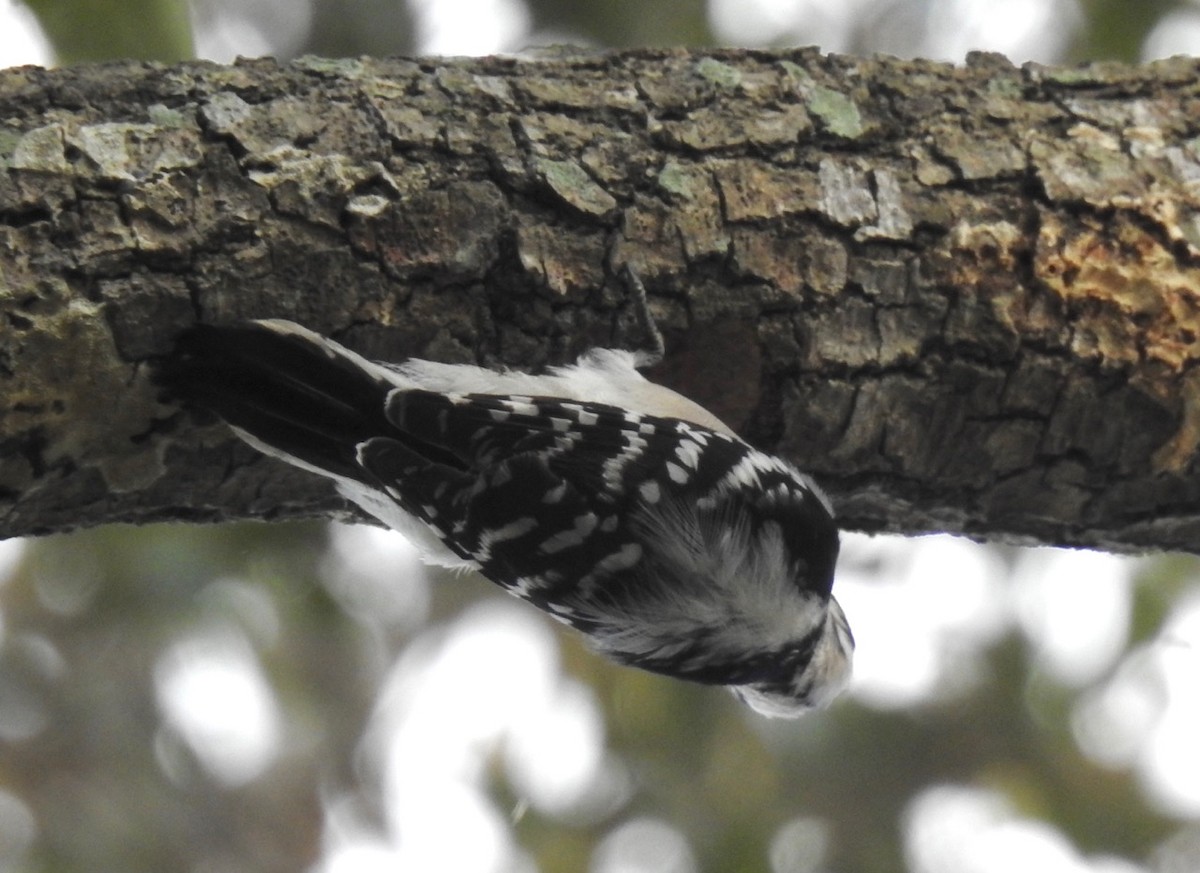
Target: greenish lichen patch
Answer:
[[571, 184], [165, 116], [681, 181], [41, 149], [836, 112], [719, 73]]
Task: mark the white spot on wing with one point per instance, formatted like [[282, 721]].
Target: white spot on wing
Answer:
[[522, 407], [523, 586], [576, 536], [650, 491], [688, 453], [510, 531], [622, 559], [634, 447], [745, 472]]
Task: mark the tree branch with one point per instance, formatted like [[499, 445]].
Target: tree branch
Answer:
[[965, 298]]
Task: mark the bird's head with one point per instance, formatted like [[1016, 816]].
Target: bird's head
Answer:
[[815, 677]]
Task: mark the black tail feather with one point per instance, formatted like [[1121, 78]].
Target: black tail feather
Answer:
[[292, 393]]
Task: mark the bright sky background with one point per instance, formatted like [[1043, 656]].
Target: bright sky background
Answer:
[[922, 611]]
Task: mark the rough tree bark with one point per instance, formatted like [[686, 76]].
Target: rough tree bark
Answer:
[[965, 298]]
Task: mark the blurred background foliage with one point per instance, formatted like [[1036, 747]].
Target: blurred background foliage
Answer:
[[306, 697]]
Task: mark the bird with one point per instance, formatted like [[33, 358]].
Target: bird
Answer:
[[612, 503]]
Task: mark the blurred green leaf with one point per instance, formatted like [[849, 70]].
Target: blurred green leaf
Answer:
[[1116, 29], [83, 31]]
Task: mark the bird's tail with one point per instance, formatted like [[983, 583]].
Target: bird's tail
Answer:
[[285, 388]]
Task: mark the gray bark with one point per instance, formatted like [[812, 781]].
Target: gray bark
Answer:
[[964, 298]]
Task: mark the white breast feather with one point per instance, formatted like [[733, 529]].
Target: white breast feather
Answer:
[[716, 574]]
